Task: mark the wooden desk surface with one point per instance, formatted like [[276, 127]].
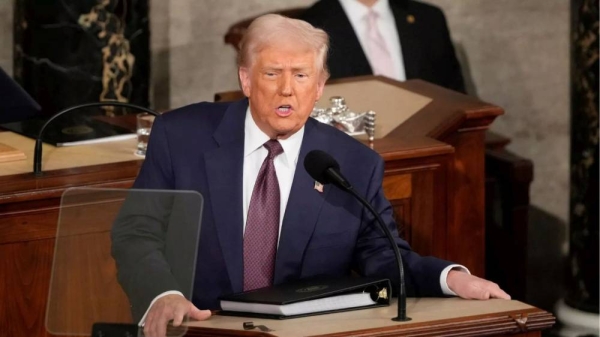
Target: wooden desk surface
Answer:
[[430, 317], [56, 158]]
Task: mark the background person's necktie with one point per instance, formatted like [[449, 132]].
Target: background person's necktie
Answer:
[[381, 59], [262, 225]]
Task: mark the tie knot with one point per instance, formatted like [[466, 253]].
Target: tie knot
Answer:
[[274, 148], [372, 16]]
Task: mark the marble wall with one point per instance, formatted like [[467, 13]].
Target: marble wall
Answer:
[[583, 238], [71, 52], [191, 61], [516, 54], [6, 35], [518, 58]]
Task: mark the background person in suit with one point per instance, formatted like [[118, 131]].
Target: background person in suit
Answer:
[[400, 39], [264, 222]]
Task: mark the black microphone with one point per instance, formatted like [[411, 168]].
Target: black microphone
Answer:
[[325, 169]]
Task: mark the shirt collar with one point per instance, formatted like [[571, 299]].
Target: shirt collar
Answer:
[[356, 11], [254, 139]]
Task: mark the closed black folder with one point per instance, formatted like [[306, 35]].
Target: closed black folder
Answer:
[[309, 297], [70, 130]]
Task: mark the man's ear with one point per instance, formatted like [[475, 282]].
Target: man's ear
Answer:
[[244, 76]]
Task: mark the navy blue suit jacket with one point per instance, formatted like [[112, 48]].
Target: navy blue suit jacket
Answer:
[[200, 147]]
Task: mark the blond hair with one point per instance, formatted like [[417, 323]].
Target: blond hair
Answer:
[[272, 28]]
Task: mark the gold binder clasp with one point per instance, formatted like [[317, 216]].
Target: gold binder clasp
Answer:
[[383, 294]]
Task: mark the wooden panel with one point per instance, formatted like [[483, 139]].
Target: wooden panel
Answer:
[[36, 218], [25, 270], [35, 225], [468, 195], [397, 186], [423, 205], [26, 187], [525, 334], [28, 222], [84, 287], [428, 203], [430, 317]]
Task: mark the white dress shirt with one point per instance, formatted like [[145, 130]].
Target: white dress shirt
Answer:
[[285, 167], [254, 156], [357, 12]]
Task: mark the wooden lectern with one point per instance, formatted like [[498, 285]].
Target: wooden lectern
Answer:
[[430, 317], [434, 178], [84, 269]]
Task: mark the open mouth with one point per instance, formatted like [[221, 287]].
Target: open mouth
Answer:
[[284, 110]]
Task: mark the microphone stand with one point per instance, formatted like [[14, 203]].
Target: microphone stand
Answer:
[[37, 153], [341, 182]]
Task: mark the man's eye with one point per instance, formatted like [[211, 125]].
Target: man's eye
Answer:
[[301, 75], [270, 74]]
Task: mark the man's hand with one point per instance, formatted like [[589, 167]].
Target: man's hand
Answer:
[[170, 307], [473, 288]]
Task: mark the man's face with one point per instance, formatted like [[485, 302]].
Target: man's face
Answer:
[[282, 84]]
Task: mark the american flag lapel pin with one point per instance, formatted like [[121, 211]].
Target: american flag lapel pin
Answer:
[[318, 186]]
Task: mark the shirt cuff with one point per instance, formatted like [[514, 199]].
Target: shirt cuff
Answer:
[[443, 282], [170, 292]]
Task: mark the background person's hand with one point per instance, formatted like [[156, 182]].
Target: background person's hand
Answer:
[[170, 307], [474, 288]]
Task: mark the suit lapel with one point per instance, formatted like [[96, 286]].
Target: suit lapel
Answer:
[[224, 170], [409, 40], [302, 210], [344, 40]]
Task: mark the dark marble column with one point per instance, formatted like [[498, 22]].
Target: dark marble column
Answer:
[[68, 52], [582, 291]]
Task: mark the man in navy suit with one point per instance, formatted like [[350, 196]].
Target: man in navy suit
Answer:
[[415, 34], [217, 149]]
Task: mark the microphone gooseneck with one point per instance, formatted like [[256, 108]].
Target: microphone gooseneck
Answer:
[[37, 152], [325, 169]]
